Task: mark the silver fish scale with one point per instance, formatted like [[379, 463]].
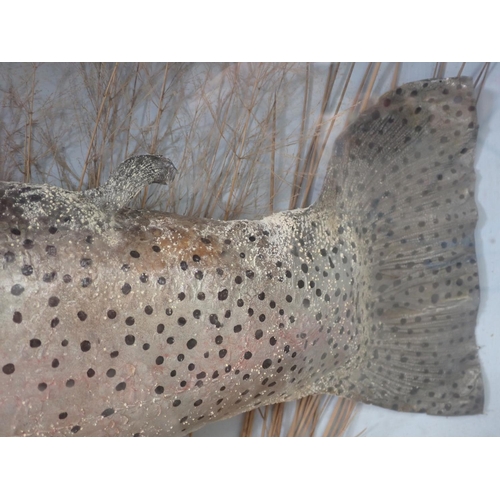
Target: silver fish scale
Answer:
[[121, 322]]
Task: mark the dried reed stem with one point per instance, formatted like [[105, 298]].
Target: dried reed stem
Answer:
[[273, 160], [340, 418], [312, 160], [358, 94], [246, 428], [96, 125], [484, 74], [29, 129], [371, 83], [395, 76], [296, 184], [337, 110]]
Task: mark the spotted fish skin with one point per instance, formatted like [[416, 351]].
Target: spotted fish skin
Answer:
[[124, 322]]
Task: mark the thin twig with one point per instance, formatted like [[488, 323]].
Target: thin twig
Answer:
[[96, 125], [440, 70], [337, 110], [156, 130], [296, 184], [395, 76], [312, 160], [371, 83], [264, 415], [278, 411], [29, 128], [484, 70], [273, 160], [358, 94], [132, 105], [246, 429]]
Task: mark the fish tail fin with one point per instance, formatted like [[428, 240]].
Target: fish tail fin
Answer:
[[402, 180]]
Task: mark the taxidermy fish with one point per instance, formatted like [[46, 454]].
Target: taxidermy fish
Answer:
[[130, 322]]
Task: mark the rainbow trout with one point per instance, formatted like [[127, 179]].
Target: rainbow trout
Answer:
[[127, 322]]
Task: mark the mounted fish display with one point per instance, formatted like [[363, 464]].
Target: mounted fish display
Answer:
[[120, 322]]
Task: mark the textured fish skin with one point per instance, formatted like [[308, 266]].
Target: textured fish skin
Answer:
[[125, 322]]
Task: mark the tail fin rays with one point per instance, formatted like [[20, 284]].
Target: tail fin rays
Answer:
[[402, 179]]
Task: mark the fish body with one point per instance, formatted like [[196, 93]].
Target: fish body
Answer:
[[124, 322]]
